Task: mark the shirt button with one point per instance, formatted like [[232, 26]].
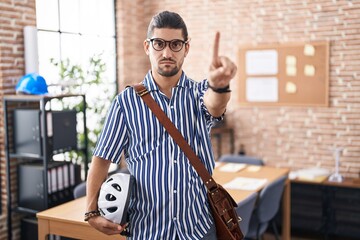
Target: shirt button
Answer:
[[175, 161], [174, 218], [172, 107], [175, 191]]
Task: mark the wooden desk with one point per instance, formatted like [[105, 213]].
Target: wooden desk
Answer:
[[269, 173], [67, 219]]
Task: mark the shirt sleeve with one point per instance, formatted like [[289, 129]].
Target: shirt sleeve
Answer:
[[211, 120], [113, 137]]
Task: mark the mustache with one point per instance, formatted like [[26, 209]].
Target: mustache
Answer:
[[167, 60]]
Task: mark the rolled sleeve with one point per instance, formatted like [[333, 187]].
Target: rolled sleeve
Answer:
[[113, 137]]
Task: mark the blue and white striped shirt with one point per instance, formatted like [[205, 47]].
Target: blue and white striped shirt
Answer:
[[169, 198]]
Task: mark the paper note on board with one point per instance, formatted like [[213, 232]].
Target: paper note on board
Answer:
[[261, 62], [290, 60], [290, 87], [309, 50], [309, 70], [291, 70], [262, 89]]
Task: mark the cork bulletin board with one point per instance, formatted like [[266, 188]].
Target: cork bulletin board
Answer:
[[288, 74]]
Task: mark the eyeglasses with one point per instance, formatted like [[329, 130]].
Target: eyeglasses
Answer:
[[160, 44]]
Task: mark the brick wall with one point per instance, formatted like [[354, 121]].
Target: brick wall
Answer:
[[283, 136], [14, 15], [131, 30]]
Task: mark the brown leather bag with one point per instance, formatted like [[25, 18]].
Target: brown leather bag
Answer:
[[222, 205], [225, 216]]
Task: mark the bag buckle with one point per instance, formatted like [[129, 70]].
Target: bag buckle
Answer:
[[213, 191], [214, 188], [230, 223]]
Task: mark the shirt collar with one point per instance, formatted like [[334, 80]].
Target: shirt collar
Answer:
[[149, 82]]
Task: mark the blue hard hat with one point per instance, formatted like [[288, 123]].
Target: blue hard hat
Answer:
[[32, 83]]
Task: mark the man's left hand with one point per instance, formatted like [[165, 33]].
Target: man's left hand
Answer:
[[222, 69]]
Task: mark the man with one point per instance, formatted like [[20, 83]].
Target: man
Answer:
[[169, 199]]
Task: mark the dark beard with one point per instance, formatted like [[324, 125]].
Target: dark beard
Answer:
[[173, 72]]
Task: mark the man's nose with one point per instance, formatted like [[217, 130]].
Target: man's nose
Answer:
[[167, 52]]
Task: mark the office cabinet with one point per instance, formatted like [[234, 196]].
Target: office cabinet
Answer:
[[328, 209], [37, 128], [27, 134], [344, 211], [62, 177], [307, 206], [61, 131]]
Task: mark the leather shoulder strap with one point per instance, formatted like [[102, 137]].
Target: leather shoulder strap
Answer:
[[176, 135]]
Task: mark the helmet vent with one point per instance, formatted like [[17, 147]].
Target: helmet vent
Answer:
[[110, 179], [112, 209], [110, 197], [116, 186]]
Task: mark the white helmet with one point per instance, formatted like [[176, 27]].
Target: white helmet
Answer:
[[114, 197]]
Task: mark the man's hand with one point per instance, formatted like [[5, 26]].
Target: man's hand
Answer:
[[105, 226], [222, 69]]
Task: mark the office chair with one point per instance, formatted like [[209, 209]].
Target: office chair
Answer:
[[266, 209], [79, 190], [233, 158], [244, 210]]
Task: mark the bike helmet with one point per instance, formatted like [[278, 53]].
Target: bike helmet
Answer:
[[32, 83], [114, 197]]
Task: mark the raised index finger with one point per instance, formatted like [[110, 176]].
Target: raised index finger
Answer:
[[215, 60]]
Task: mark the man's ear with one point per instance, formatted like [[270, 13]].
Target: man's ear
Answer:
[[187, 47], [146, 47]]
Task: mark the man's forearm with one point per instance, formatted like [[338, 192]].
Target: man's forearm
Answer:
[[216, 102], [97, 174]]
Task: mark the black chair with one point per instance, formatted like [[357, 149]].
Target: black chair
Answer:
[[266, 209], [233, 158], [80, 190], [244, 210]]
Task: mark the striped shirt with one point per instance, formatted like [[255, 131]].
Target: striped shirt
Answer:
[[169, 198]]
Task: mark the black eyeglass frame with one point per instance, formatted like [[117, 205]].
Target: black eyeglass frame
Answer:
[[151, 40]]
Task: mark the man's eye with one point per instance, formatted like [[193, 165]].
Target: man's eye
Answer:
[[159, 44], [176, 44]]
